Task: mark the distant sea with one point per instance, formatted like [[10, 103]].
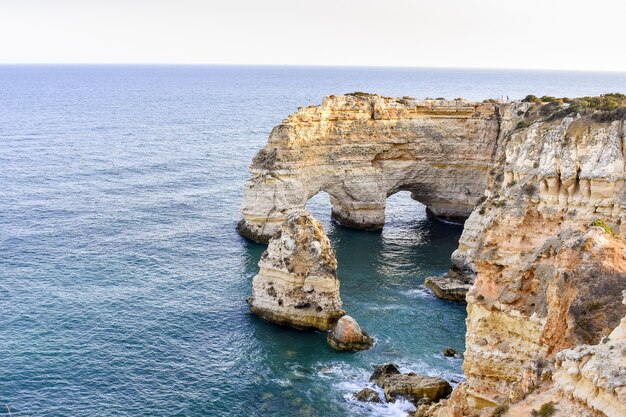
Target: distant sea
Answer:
[[123, 281]]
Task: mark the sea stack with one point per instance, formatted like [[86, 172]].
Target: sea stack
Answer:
[[297, 282]]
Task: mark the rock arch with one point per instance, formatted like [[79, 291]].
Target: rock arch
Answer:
[[360, 149]]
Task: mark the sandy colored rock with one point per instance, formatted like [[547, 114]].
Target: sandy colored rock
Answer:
[[545, 278], [448, 287], [367, 395], [596, 374], [543, 249], [349, 336], [297, 283], [415, 388], [362, 148]]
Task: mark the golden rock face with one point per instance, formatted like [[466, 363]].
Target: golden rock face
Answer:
[[297, 283], [360, 149], [548, 256], [544, 249]]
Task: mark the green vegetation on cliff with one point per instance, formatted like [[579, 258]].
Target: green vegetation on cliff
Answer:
[[604, 108]]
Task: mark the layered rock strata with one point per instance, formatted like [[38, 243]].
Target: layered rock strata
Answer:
[[544, 249], [297, 282], [547, 253], [360, 149]]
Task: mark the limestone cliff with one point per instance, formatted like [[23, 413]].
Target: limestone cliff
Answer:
[[297, 283], [360, 149], [543, 250], [596, 375], [545, 278]]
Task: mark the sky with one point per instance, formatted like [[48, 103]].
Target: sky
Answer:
[[522, 34]]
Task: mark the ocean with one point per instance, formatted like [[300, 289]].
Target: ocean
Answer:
[[122, 278]]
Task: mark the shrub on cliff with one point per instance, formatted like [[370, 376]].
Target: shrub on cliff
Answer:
[[601, 223], [500, 410], [531, 99], [603, 109], [546, 410], [529, 189], [359, 94]]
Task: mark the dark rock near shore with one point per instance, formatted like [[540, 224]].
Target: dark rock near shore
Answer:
[[449, 352], [382, 372]]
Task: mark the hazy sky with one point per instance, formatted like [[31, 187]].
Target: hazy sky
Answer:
[[549, 34]]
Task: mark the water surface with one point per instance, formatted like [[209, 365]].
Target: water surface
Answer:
[[123, 281]]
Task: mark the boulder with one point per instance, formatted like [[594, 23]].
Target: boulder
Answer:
[[348, 335], [416, 388], [368, 395], [382, 372], [449, 352]]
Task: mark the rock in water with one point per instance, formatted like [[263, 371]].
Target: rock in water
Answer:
[[348, 335], [367, 394], [382, 372], [448, 287], [297, 283], [449, 352], [416, 388]]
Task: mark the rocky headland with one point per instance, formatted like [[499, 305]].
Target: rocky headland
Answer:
[[360, 149], [542, 255]]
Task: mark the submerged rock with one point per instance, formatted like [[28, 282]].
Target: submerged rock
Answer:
[[348, 335], [382, 372], [297, 283], [447, 287], [367, 394], [417, 389]]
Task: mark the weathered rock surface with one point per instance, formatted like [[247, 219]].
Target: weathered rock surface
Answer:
[[545, 278], [360, 149], [382, 372], [348, 335], [544, 248], [596, 374], [416, 388], [449, 287], [297, 283], [368, 395]]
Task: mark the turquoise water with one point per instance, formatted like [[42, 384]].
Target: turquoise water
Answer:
[[123, 281]]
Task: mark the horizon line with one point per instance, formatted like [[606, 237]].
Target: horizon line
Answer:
[[191, 64]]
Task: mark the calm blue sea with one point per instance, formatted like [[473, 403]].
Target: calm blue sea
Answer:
[[123, 281]]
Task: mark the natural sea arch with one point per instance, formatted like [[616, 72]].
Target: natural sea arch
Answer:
[[362, 149]]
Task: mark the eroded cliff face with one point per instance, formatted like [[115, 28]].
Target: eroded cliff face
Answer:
[[297, 282], [546, 279], [596, 375], [360, 149], [543, 250]]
